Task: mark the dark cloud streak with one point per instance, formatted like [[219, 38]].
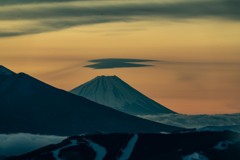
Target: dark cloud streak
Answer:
[[14, 2], [227, 9], [56, 17], [53, 25]]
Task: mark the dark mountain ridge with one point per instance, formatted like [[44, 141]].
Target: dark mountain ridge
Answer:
[[178, 146], [28, 105]]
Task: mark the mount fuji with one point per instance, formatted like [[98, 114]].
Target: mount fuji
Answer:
[[28, 105], [113, 92]]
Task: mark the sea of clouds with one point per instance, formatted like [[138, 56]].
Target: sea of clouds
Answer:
[[16, 144]]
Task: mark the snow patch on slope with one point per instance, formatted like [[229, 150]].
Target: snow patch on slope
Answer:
[[128, 150], [100, 151], [223, 145], [56, 152], [195, 156]]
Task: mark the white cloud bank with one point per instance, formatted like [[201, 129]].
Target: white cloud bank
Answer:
[[16, 144]]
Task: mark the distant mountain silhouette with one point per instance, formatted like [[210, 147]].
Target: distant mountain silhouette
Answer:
[[113, 92], [28, 105], [5, 71]]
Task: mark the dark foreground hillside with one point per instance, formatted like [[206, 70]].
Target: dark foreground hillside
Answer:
[[28, 105], [179, 146]]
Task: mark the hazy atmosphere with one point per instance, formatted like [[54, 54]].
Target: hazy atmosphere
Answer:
[[183, 54]]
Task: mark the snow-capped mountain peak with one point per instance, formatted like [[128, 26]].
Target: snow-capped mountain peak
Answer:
[[5, 71], [113, 92]]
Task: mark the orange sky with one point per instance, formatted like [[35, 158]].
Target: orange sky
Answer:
[[206, 80]]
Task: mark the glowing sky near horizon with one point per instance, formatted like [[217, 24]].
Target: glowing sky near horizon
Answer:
[[196, 45]]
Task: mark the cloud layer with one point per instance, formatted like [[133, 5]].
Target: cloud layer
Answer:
[[51, 15], [196, 121], [118, 63], [15, 144]]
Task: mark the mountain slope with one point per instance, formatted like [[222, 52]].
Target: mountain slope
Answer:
[[5, 71], [31, 106], [111, 91]]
